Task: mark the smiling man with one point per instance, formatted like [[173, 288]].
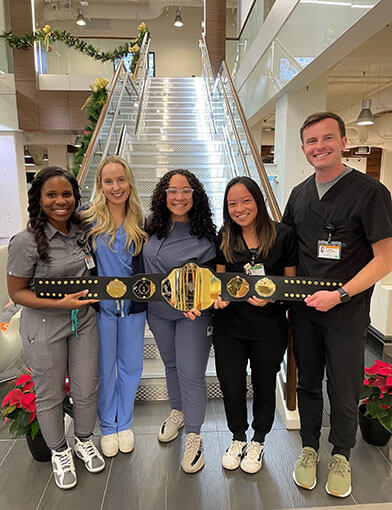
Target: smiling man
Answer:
[[343, 223]]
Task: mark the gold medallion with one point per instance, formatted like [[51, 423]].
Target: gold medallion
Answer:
[[237, 287], [265, 287], [116, 288], [144, 288]]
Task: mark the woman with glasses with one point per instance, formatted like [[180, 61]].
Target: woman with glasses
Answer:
[[256, 330], [181, 230]]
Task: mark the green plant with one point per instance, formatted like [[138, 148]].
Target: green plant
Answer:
[[19, 407], [377, 393]]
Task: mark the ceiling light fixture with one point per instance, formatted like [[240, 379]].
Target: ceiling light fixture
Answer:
[[81, 19], [365, 117], [178, 21], [45, 156], [28, 158]]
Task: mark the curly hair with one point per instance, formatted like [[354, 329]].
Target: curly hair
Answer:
[[100, 219], [37, 217], [200, 216], [232, 241]]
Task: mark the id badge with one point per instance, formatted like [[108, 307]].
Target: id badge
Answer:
[[89, 261], [255, 270], [329, 250]]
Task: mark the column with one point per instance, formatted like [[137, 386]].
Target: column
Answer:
[[215, 30]]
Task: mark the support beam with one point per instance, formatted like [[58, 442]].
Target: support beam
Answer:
[[215, 31]]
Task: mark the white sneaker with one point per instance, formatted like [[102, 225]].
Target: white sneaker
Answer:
[[253, 457], [232, 457], [109, 445], [126, 441], [170, 427], [90, 455], [64, 469], [193, 459]]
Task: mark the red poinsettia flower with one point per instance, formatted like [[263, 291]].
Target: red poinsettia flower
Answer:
[[13, 397], [28, 386], [28, 401], [23, 379]]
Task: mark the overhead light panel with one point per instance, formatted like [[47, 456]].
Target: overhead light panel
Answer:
[[178, 20], [81, 19], [365, 117]]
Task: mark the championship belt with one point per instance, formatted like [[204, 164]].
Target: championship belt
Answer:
[[187, 287]]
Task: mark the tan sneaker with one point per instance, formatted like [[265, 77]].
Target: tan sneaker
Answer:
[[170, 427], [232, 457], [305, 468], [109, 445], [193, 459], [253, 457], [339, 477], [126, 441]]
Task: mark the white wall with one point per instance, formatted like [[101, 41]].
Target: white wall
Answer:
[[243, 9]]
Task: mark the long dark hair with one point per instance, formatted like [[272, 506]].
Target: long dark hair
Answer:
[[200, 216], [37, 217], [232, 241]]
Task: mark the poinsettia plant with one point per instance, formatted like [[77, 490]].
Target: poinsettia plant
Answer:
[[19, 407], [377, 393]]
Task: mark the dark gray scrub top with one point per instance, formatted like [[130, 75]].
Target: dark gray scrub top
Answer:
[[174, 250], [66, 257]]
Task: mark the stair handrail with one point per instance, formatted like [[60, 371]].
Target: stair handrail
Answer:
[[90, 149]]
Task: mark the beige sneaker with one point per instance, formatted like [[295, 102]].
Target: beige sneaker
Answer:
[[232, 457], [304, 474], [170, 427], [193, 459], [126, 441], [109, 445], [339, 477], [253, 457]]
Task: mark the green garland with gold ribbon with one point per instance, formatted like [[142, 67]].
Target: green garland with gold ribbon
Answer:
[[48, 35]]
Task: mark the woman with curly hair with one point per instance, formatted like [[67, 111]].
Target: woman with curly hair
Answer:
[[181, 230], [255, 330], [58, 335], [115, 221]]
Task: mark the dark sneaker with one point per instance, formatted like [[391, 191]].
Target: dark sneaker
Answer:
[[170, 427], [193, 459], [89, 454], [339, 477], [253, 457], [232, 457], [305, 468], [64, 469]]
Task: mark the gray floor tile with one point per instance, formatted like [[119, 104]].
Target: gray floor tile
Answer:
[[148, 416], [5, 446], [138, 480], [22, 479], [203, 490]]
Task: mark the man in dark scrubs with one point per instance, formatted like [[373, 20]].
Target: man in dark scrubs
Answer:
[[343, 222]]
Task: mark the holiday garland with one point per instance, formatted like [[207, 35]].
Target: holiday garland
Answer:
[[48, 35]]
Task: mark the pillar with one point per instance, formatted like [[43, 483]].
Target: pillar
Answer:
[[215, 31]]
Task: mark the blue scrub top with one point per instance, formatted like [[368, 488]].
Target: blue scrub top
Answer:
[[115, 261]]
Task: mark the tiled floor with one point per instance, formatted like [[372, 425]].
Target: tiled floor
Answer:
[[150, 478]]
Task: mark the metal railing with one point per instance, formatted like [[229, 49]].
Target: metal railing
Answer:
[[246, 160], [108, 131]]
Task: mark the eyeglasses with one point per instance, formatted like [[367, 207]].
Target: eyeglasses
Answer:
[[173, 192]]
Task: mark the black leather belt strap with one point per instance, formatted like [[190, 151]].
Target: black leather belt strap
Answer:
[[190, 286]]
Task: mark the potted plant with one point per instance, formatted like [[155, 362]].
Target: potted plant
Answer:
[[18, 408], [375, 411]]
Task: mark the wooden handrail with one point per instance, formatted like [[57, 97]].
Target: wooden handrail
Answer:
[[88, 155]]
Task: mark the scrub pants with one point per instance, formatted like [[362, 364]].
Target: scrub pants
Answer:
[[52, 349], [265, 356], [120, 367], [184, 346], [341, 351]]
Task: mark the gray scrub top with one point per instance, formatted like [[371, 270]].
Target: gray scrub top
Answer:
[[174, 250], [66, 256]]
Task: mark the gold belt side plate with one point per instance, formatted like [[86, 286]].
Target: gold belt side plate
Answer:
[[116, 288], [265, 287]]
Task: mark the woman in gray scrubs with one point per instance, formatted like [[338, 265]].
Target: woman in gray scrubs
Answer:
[[59, 335], [181, 230]]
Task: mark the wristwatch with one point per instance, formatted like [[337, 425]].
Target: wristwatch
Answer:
[[344, 297]]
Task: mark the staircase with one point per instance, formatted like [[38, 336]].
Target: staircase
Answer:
[[176, 131]]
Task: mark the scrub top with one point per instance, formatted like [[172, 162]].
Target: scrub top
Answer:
[[360, 211], [66, 257], [174, 250], [242, 319]]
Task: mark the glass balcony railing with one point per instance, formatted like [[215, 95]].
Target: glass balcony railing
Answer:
[[292, 50]]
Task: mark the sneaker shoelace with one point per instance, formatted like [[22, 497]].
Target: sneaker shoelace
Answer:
[[89, 448], [192, 443], [338, 466], [175, 418], [236, 449], [308, 459], [253, 451], [65, 460]]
